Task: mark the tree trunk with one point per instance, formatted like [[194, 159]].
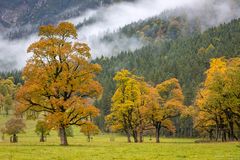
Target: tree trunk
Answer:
[[128, 136], [135, 136], [42, 138], [211, 134], [13, 138], [231, 132], [141, 136], [89, 137], [224, 136], [217, 132], [158, 127], [63, 136]]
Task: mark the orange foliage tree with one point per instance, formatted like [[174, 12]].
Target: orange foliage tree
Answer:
[[166, 102], [59, 79]]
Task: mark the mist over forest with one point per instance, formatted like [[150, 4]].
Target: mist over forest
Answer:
[[96, 23]]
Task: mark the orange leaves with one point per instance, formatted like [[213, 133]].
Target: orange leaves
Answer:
[[89, 129], [92, 111], [59, 79]]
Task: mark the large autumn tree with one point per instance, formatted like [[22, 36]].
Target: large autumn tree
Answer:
[[127, 103], [59, 79], [218, 101]]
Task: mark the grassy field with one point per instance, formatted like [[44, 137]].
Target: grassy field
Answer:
[[29, 148]]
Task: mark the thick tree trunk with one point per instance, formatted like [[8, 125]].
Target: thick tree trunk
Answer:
[[63, 136], [158, 127]]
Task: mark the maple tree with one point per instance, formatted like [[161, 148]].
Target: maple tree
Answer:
[[166, 102], [125, 105], [137, 106], [59, 79]]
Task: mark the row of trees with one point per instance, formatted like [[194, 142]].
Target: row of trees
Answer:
[[16, 126], [186, 59], [138, 106]]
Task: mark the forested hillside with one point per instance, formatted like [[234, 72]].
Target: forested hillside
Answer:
[[24, 17], [185, 58]]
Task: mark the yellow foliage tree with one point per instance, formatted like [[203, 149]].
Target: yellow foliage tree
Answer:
[[218, 99], [126, 112]]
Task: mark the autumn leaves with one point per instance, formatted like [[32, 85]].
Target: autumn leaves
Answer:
[[60, 81], [217, 105], [137, 106]]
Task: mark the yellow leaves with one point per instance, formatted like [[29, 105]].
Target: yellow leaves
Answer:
[[143, 104], [46, 30], [66, 29], [219, 93]]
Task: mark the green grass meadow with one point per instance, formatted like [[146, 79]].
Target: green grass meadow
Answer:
[[101, 148]]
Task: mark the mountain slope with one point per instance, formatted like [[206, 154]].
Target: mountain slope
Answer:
[[17, 13]]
